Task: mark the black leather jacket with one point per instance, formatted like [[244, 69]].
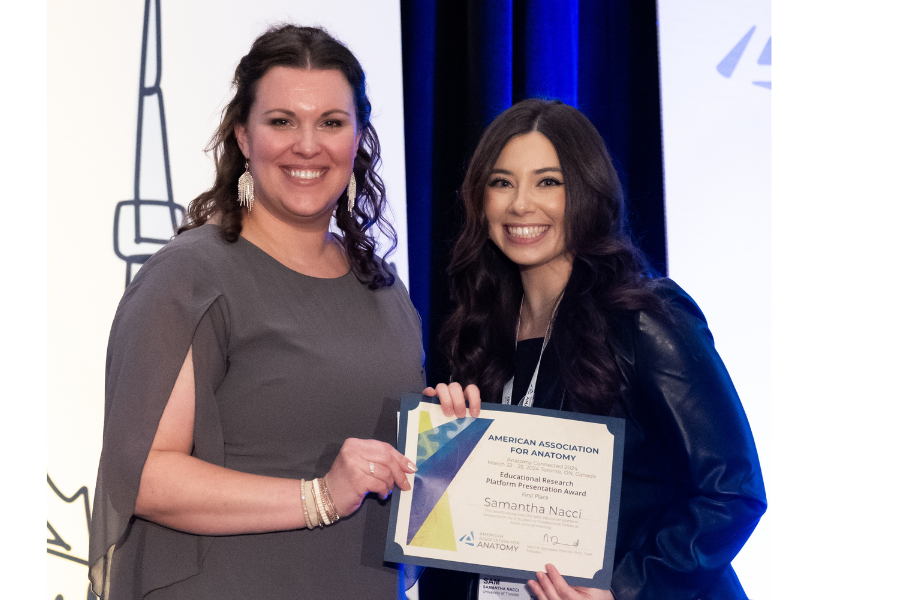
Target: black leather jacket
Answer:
[[692, 490]]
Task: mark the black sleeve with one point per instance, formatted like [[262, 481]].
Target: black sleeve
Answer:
[[691, 545]]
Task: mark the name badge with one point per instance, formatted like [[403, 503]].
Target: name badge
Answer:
[[495, 588]]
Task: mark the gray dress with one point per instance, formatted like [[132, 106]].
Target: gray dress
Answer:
[[287, 367]]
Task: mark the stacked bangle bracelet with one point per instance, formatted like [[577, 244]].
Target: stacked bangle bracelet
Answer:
[[329, 503], [303, 504], [318, 507], [309, 506]]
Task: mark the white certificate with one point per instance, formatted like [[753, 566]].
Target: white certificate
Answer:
[[508, 492]]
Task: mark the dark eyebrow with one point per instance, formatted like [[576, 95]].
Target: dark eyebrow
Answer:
[[292, 114], [335, 110], [279, 110], [536, 172]]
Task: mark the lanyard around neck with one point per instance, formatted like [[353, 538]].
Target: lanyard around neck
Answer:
[[528, 398]]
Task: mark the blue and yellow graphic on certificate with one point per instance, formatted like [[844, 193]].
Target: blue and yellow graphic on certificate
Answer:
[[441, 453], [508, 492]]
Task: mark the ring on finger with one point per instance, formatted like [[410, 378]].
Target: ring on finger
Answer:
[[372, 468]]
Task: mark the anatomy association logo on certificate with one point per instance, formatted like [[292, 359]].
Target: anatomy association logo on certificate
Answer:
[[508, 492]]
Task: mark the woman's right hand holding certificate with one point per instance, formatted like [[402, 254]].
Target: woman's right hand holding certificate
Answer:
[[552, 586], [454, 399]]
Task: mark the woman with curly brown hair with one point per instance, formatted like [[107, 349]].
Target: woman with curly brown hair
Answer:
[[255, 361], [555, 309]]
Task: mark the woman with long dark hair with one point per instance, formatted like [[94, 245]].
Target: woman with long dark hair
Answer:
[[555, 308], [255, 361]]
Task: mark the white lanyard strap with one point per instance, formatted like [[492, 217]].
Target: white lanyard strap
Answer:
[[528, 398]]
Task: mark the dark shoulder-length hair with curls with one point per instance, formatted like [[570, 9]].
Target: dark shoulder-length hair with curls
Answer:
[[609, 275], [302, 48]]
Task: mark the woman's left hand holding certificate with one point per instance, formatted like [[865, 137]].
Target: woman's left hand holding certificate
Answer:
[[552, 586], [454, 399]]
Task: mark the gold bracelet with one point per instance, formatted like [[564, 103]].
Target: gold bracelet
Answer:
[[303, 504], [310, 505], [328, 502], [319, 505]]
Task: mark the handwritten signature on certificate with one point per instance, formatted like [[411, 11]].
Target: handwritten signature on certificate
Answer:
[[552, 539]]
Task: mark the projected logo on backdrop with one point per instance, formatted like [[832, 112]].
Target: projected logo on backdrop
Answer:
[[728, 64], [142, 226]]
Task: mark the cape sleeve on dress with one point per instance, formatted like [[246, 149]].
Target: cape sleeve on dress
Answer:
[[681, 376], [170, 306]]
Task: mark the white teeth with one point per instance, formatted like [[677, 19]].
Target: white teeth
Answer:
[[305, 174], [527, 232]]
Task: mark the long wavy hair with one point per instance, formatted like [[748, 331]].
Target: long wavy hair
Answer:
[[302, 48], [609, 275]]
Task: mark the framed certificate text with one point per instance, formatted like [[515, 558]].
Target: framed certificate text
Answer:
[[508, 492]]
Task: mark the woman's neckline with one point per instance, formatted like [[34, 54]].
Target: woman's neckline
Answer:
[[242, 240]]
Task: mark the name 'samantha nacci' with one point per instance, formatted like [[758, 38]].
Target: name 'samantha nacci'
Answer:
[[542, 444], [531, 507]]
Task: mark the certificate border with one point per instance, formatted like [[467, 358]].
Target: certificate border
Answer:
[[393, 552]]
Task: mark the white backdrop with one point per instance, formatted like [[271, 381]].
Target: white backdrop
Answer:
[[716, 104], [835, 408], [93, 68]]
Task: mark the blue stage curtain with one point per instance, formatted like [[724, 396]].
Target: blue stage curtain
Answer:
[[466, 61]]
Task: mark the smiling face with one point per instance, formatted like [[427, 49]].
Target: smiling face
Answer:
[[301, 139], [525, 204]]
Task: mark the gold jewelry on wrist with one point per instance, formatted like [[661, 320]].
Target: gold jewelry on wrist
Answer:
[[319, 505], [328, 502], [310, 505], [306, 520]]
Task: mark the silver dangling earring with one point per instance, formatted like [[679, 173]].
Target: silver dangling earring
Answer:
[[351, 194], [245, 187]]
